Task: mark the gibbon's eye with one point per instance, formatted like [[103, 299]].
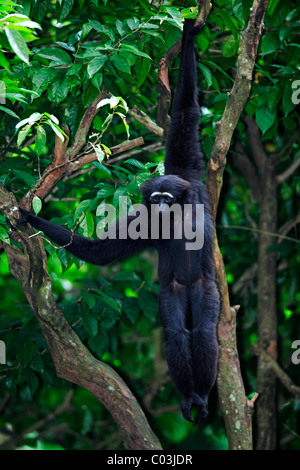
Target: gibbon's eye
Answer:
[[155, 197], [168, 199]]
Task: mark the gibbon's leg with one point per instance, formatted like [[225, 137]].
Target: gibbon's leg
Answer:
[[205, 308], [173, 305]]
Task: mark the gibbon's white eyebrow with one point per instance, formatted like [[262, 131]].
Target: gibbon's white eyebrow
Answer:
[[157, 193]]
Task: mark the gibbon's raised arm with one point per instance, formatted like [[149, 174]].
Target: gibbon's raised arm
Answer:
[[99, 252], [183, 156]]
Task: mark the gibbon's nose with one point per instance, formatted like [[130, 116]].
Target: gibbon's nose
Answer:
[[162, 206]]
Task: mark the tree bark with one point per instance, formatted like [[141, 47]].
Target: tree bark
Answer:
[[267, 310]]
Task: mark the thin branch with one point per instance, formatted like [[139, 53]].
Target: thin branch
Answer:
[[258, 150], [144, 119], [287, 227], [280, 373], [242, 160], [287, 173], [287, 147], [55, 173]]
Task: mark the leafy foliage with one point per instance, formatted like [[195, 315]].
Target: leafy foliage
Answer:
[[55, 58]]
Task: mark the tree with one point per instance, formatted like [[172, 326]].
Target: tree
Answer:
[[85, 89]]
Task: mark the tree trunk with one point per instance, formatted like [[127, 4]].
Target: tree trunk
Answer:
[[266, 310]]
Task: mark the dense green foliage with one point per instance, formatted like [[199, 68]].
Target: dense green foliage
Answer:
[[53, 61]]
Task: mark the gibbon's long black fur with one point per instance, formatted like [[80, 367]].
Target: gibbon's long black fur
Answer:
[[188, 299]]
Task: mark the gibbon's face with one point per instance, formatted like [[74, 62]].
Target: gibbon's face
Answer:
[[164, 191]]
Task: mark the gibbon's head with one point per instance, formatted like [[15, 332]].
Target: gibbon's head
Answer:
[[164, 191]]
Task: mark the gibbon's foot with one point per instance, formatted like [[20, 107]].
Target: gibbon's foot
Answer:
[[196, 401]]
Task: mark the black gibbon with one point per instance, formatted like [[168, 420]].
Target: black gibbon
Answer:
[[188, 299]]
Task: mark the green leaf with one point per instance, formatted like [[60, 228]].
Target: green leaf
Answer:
[[131, 308], [134, 50], [97, 80], [37, 364], [56, 129], [148, 303], [4, 237], [89, 321], [287, 102], [107, 300], [23, 134], [143, 71], [43, 77], [265, 118], [66, 7], [120, 63], [269, 43], [82, 207], [40, 141], [88, 298], [9, 111], [134, 162], [121, 27], [229, 48], [126, 276], [58, 91], [102, 29], [87, 225], [133, 23], [36, 204], [207, 74], [105, 191], [23, 175], [96, 64], [3, 61], [100, 154], [17, 44], [56, 55]]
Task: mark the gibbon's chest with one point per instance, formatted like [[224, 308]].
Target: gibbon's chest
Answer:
[[179, 264]]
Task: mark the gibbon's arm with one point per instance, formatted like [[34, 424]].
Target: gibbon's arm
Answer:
[[183, 156], [99, 252]]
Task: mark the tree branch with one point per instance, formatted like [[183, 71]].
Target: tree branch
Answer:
[[280, 373], [258, 150], [55, 173], [244, 163], [144, 119], [287, 147], [287, 173]]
